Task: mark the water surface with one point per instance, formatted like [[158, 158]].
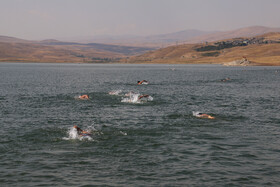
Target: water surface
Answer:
[[153, 143]]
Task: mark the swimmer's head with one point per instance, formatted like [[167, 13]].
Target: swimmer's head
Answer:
[[75, 126]]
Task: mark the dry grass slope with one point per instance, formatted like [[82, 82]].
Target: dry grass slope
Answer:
[[30, 52], [266, 52]]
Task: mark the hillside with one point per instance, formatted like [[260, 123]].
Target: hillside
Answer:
[[14, 49], [262, 50], [26, 52], [182, 37], [9, 39], [147, 41], [243, 32]]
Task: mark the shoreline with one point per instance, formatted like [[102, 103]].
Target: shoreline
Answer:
[[148, 63]]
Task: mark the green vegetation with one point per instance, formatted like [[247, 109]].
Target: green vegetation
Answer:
[[104, 60], [219, 46], [214, 54]]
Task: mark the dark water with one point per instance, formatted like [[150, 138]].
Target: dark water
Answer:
[[156, 143]]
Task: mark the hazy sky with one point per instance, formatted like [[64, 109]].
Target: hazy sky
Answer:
[[43, 19]]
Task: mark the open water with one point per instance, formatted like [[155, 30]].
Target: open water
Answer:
[[156, 142]]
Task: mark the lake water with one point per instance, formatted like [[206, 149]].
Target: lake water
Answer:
[[158, 142]]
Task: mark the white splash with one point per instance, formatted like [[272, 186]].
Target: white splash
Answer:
[[73, 135], [135, 98], [196, 113], [115, 92], [123, 133], [145, 99], [132, 98]]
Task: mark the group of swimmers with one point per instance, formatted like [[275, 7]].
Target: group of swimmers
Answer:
[[85, 97]]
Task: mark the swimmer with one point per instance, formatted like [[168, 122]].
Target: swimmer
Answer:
[[83, 97], [224, 80], [201, 115], [142, 82], [142, 96], [81, 132]]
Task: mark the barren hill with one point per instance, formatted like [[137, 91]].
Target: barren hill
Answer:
[[263, 49], [147, 41], [14, 49], [243, 32], [181, 37], [9, 39], [26, 52]]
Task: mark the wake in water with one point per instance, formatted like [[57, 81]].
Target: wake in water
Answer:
[[115, 92]]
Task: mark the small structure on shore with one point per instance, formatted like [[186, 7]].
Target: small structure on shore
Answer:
[[243, 62]]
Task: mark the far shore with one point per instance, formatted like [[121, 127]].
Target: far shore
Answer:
[[147, 63]]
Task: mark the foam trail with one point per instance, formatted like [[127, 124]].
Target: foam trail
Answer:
[[133, 98], [123, 133], [115, 92]]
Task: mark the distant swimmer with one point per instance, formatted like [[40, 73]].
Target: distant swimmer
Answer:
[[143, 96], [81, 132], [83, 97], [201, 115], [226, 79], [142, 82]]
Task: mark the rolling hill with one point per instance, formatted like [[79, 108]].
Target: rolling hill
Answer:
[[9, 39], [217, 49], [148, 41], [243, 32], [261, 50], [181, 37], [14, 49]]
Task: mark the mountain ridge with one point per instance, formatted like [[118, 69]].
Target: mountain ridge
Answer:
[[242, 32], [180, 37], [51, 50]]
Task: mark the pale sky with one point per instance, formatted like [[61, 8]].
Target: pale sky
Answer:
[[45, 19]]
